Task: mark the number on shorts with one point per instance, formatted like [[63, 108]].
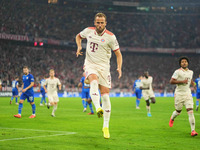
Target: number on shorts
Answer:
[[30, 98]]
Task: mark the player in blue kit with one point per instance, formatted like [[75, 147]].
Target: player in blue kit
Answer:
[[197, 82], [86, 99], [27, 92], [15, 90], [138, 91], [42, 91]]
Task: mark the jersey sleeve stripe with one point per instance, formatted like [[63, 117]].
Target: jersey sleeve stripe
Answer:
[[174, 78], [116, 50], [80, 36], [93, 28]]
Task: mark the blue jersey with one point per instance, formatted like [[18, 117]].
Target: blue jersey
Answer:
[[138, 91], [85, 89], [84, 85], [42, 84], [137, 85], [197, 81], [14, 84], [27, 79]]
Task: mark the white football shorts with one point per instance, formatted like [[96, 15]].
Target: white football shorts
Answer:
[[103, 74]]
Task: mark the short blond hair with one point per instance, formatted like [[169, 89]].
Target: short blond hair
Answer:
[[100, 15], [51, 70]]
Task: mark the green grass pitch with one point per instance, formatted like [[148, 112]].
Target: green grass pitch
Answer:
[[72, 129]]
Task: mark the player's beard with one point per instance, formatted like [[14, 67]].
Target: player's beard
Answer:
[[184, 66], [100, 30]]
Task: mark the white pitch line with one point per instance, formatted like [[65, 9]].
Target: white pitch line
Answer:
[[63, 133], [33, 137], [37, 130]]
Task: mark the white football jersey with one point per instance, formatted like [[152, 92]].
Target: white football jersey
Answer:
[[179, 75], [52, 85], [147, 82], [98, 50]]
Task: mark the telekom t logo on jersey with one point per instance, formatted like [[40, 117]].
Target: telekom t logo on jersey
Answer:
[[93, 46]]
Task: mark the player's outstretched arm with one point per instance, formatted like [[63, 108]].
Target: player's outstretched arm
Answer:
[[119, 62], [79, 47]]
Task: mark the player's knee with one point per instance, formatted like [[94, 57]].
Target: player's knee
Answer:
[[21, 101], [153, 100], [31, 103], [147, 103]]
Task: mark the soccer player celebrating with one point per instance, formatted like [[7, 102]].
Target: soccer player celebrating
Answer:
[[15, 90], [147, 91], [138, 91], [27, 92], [52, 82], [41, 84], [86, 99], [183, 78], [197, 81], [100, 41]]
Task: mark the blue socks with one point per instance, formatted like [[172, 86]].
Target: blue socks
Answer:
[[12, 98], [197, 103], [33, 108], [16, 99], [20, 108], [44, 99], [137, 103], [41, 100], [83, 102], [91, 109], [86, 103]]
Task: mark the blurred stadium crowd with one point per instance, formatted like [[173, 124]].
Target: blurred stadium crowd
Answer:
[[136, 30], [69, 68], [63, 23]]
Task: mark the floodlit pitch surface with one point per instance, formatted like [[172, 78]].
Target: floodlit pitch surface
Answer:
[[74, 129]]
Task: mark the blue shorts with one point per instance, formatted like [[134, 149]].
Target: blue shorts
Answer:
[[42, 92], [198, 95], [86, 94], [30, 98], [14, 92], [138, 94]]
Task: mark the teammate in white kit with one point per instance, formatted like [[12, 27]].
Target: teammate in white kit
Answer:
[[52, 82], [147, 91], [100, 42], [183, 79]]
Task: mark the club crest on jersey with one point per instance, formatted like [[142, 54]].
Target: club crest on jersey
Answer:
[[26, 77], [102, 40]]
